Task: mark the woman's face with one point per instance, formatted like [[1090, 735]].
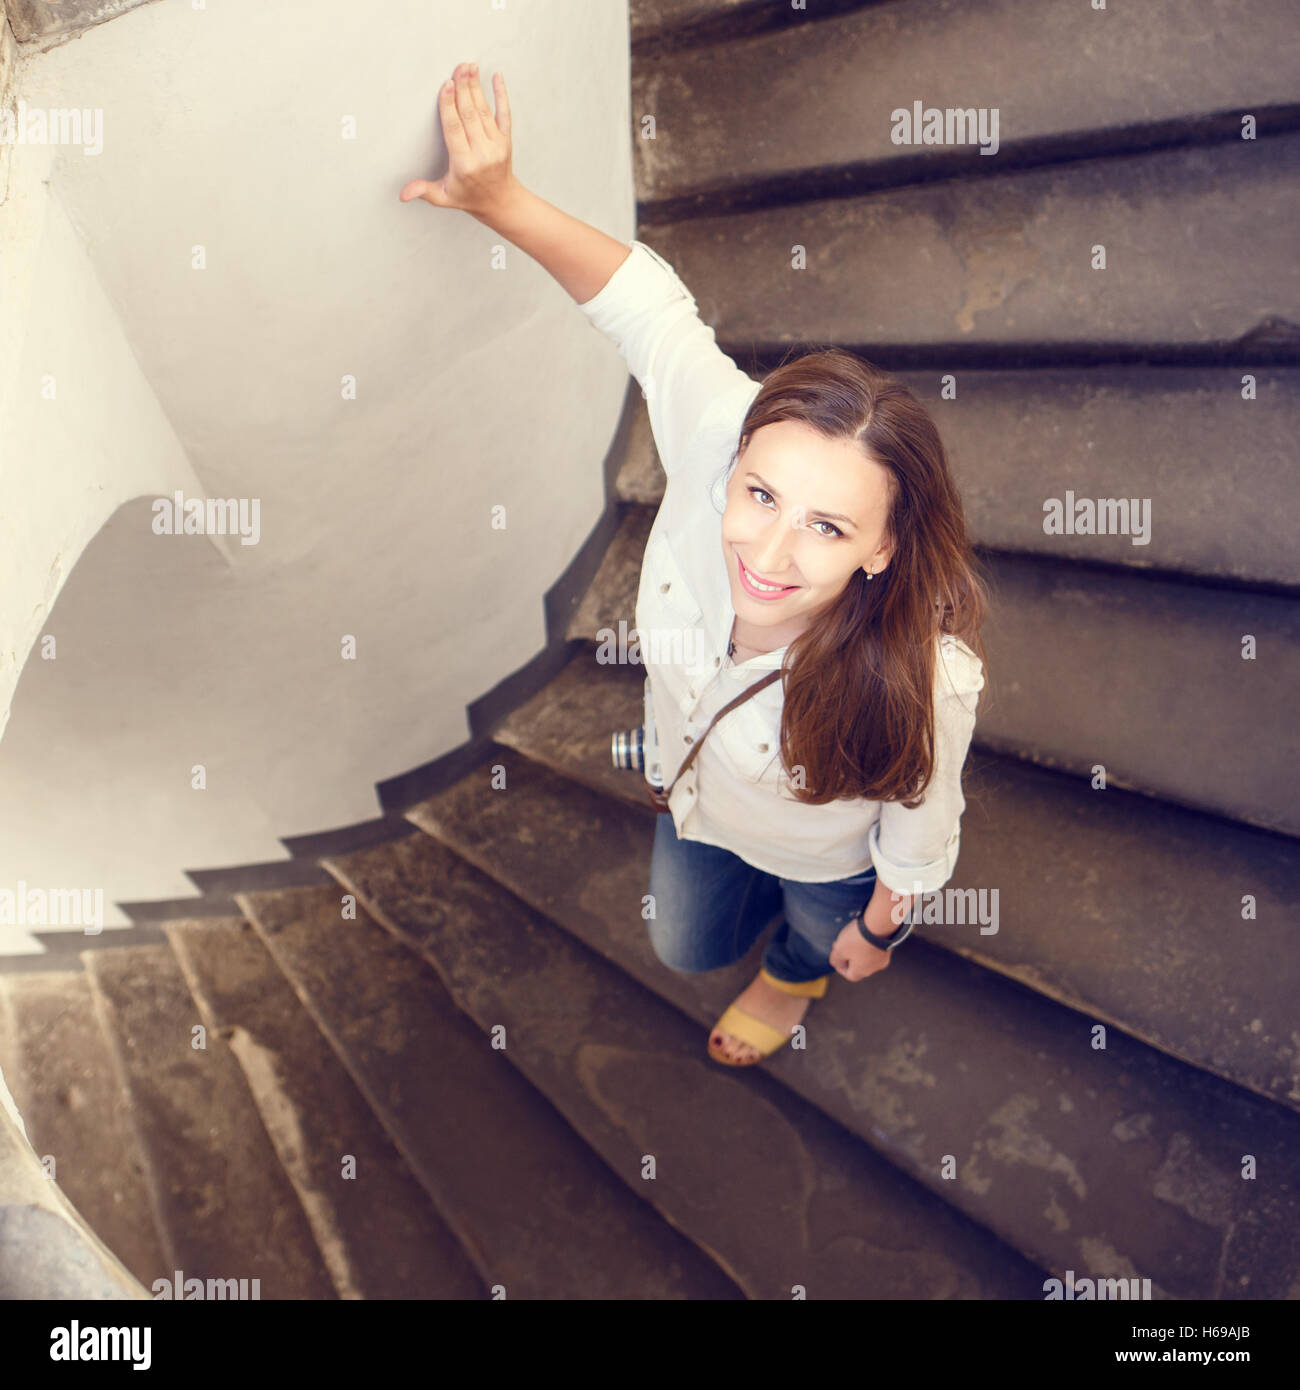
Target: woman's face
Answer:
[[803, 512]]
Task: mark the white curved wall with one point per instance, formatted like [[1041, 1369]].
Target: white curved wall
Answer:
[[477, 386]]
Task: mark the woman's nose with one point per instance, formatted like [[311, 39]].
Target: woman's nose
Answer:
[[771, 551]]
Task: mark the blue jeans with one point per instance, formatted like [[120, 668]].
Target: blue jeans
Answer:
[[710, 906]]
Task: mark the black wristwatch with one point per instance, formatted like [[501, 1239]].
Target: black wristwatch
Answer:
[[885, 943]]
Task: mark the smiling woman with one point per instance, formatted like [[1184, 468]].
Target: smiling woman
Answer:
[[840, 566]]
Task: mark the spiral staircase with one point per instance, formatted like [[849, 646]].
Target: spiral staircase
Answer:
[[435, 1057]]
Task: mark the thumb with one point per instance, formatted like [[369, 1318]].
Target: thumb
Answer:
[[429, 192]]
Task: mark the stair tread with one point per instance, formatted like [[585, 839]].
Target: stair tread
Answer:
[[612, 593], [1124, 1157], [1005, 259], [67, 1091], [755, 111], [629, 1073], [225, 1206], [535, 1209], [378, 1230], [569, 722]]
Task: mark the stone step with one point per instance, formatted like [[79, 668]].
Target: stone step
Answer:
[[377, 1229], [568, 724], [961, 267], [539, 1214], [629, 1074], [57, 1065], [1140, 945], [225, 1208], [1093, 667], [58, 950], [752, 118], [1118, 1161], [614, 588], [1214, 470], [657, 25]]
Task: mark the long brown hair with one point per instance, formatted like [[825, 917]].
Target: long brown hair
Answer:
[[859, 682]]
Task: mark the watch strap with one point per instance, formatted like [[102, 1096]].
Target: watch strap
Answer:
[[884, 943]]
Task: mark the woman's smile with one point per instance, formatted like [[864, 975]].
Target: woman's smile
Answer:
[[758, 589]]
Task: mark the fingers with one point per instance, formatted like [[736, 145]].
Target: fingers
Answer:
[[479, 98], [503, 102], [453, 131], [469, 113]]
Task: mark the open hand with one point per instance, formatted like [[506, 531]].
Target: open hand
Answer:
[[478, 143]]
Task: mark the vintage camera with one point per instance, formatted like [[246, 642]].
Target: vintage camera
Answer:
[[638, 749]]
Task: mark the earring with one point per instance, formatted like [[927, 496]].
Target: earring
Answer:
[[870, 574]]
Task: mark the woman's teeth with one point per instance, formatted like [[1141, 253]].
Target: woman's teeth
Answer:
[[759, 584]]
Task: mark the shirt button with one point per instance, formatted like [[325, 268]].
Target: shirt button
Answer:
[[691, 693], [717, 661], [663, 588], [686, 738], [762, 747]]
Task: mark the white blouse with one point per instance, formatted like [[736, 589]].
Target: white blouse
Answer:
[[735, 794]]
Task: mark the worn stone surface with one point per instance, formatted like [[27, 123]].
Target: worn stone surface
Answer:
[[40, 19], [1132, 911], [72, 1103], [612, 595], [1113, 878], [1215, 471], [377, 1229], [641, 474], [758, 110], [779, 1194], [667, 22], [47, 1248], [536, 1210], [226, 1209], [1119, 1161], [1146, 678], [569, 723], [1007, 260]]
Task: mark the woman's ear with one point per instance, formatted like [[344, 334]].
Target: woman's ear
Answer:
[[880, 560]]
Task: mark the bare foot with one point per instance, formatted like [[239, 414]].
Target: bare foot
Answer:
[[764, 1002]]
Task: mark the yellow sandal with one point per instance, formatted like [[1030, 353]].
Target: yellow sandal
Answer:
[[762, 1036]]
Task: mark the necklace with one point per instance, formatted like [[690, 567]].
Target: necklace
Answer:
[[732, 646]]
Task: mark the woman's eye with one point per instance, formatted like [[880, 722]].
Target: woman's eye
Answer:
[[835, 530]]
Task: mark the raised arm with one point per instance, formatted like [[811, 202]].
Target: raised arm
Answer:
[[647, 312]]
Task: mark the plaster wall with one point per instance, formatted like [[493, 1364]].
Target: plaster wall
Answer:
[[184, 311]]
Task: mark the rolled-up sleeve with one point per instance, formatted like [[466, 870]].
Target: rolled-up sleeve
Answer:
[[652, 318], [916, 850]]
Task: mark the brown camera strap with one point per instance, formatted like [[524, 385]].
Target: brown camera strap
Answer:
[[726, 709]]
